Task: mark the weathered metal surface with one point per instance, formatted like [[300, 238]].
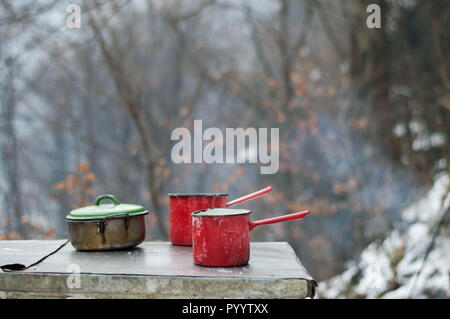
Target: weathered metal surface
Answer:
[[118, 232], [268, 260], [161, 270], [36, 285], [20, 254]]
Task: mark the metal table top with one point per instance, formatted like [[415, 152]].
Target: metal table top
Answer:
[[20, 254], [152, 270]]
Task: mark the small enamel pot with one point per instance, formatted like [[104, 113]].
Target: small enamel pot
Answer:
[[107, 226], [221, 236]]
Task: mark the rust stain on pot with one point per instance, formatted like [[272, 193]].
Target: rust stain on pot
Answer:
[[101, 229], [107, 235]]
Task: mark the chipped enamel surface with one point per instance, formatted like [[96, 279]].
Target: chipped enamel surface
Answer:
[[221, 240], [180, 209]]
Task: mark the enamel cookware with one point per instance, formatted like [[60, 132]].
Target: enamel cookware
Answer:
[[181, 207], [107, 226], [221, 236]]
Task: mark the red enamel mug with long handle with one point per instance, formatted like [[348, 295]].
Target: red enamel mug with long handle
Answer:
[[221, 237], [181, 207]]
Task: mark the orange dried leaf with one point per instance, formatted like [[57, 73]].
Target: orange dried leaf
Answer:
[[59, 186], [90, 177], [89, 191], [83, 167]]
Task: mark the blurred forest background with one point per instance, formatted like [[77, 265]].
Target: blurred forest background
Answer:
[[363, 113]]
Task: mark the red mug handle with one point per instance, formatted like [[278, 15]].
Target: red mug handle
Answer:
[[249, 196], [279, 219]]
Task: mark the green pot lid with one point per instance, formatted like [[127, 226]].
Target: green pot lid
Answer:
[[105, 210]]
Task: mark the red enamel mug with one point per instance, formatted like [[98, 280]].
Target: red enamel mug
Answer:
[[181, 207], [221, 236]]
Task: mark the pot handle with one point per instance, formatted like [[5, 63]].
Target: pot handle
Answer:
[[107, 196], [279, 219], [249, 196]]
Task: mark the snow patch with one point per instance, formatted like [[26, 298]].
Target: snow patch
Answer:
[[389, 269]]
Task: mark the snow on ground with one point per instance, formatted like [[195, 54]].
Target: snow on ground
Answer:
[[388, 269]]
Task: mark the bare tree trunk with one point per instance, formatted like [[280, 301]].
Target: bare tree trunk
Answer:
[[370, 73], [283, 42], [10, 156]]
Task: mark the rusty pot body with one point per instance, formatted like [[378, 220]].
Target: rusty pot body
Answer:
[[108, 226], [111, 233], [181, 207]]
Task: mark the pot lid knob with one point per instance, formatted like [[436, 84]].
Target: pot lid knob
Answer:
[[107, 196]]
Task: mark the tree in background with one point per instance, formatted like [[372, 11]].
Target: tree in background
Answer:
[[362, 112]]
